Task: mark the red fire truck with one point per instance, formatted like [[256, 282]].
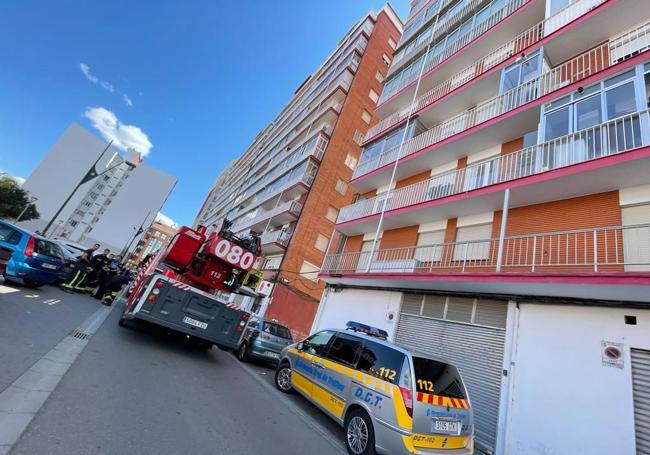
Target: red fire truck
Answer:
[[177, 288]]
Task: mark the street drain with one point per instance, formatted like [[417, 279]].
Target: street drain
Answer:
[[80, 335]]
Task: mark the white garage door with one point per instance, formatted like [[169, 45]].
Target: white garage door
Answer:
[[641, 391], [468, 333]]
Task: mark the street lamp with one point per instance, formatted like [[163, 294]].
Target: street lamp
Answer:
[[90, 175]]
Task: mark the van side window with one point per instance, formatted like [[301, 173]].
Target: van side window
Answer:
[[344, 349], [381, 361], [316, 344]]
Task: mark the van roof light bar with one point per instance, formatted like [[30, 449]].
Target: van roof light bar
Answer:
[[368, 330]]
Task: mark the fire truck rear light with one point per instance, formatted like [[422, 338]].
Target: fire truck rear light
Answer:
[[242, 323], [239, 329], [159, 284], [245, 317], [155, 291], [151, 298]]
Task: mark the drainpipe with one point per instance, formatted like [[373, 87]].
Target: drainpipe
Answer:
[[401, 145], [504, 223]]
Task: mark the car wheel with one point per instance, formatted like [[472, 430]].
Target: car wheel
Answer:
[[31, 284], [242, 352], [359, 434], [223, 348], [283, 378]]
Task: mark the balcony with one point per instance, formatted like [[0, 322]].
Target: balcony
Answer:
[[548, 263], [616, 137], [526, 41], [275, 242], [277, 216], [585, 68]]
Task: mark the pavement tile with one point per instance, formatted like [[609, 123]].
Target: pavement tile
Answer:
[[35, 380], [50, 367], [12, 426], [15, 400]]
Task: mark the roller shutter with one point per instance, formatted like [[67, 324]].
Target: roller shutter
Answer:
[[641, 390], [470, 334]]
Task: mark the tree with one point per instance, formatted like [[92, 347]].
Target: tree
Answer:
[[13, 200]]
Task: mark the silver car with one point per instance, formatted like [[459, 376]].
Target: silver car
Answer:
[[263, 340], [388, 400]]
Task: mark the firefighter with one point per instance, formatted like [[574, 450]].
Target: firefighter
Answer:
[[108, 272], [114, 286], [81, 268], [97, 264]]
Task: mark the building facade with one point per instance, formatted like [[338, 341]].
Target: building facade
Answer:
[[291, 182], [503, 217], [154, 239], [108, 209]]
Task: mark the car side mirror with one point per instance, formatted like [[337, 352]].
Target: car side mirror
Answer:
[[301, 346]]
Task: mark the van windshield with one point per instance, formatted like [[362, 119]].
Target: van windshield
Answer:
[[437, 378]]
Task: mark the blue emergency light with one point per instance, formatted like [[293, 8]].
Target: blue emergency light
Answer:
[[368, 330]]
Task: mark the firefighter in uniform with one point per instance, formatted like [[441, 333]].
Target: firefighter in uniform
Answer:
[[81, 268], [97, 264], [114, 286], [107, 272]]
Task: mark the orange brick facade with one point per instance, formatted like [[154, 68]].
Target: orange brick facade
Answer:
[[295, 302]]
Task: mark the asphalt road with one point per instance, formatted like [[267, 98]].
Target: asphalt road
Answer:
[[142, 391]]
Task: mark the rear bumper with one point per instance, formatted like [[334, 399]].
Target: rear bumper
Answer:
[[181, 328], [262, 353], [390, 441], [25, 271]]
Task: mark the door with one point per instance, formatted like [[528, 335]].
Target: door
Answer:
[[641, 393], [468, 334], [304, 359], [636, 237]]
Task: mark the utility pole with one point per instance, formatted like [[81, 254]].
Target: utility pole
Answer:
[[32, 199]]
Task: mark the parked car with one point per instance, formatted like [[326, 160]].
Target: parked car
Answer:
[[263, 340], [5, 255], [71, 253], [388, 399], [34, 259]]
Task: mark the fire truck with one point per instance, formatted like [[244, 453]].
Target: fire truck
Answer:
[[178, 288]]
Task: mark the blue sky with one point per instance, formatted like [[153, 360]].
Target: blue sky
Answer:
[[198, 79]]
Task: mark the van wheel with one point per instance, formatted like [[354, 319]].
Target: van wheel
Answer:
[[242, 352], [283, 378], [359, 434]]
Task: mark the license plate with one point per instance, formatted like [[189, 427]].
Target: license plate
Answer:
[[195, 323], [445, 426], [45, 265], [274, 355]]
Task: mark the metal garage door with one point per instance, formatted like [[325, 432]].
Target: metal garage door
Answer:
[[641, 389], [468, 333]]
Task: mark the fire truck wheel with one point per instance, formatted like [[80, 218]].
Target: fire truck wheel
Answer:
[[122, 322], [242, 353]]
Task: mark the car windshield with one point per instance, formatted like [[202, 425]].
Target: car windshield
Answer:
[[277, 330], [437, 378], [47, 248]]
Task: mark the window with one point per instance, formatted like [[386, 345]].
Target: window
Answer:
[[438, 378], [341, 187], [344, 349], [309, 271], [10, 235], [276, 330], [351, 161], [358, 137], [468, 246], [322, 242], [366, 116], [379, 76], [374, 96], [385, 59], [332, 213], [381, 361], [316, 344], [392, 43], [430, 246]]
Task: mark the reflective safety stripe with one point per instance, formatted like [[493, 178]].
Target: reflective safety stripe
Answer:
[[301, 383], [329, 401], [442, 401], [404, 420]]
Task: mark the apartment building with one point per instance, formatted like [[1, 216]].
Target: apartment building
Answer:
[[107, 209], [291, 182], [503, 222], [154, 239]]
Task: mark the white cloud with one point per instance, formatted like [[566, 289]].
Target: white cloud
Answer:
[[123, 136], [86, 70], [167, 221], [127, 100], [108, 86]]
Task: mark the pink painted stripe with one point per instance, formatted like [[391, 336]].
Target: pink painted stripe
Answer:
[[598, 163]]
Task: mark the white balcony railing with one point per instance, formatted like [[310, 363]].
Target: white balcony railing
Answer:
[[292, 207], [616, 136], [572, 71], [619, 248], [492, 59], [281, 237]]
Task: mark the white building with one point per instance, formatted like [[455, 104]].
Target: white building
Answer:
[[108, 209]]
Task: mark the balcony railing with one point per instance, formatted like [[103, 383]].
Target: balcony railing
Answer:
[[494, 58], [435, 59], [619, 248], [280, 237], [616, 136], [572, 71], [292, 207]]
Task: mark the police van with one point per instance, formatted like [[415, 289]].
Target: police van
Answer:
[[388, 399]]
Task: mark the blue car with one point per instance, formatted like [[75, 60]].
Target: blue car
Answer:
[[34, 260]]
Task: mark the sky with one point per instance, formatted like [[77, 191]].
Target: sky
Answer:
[[188, 83]]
